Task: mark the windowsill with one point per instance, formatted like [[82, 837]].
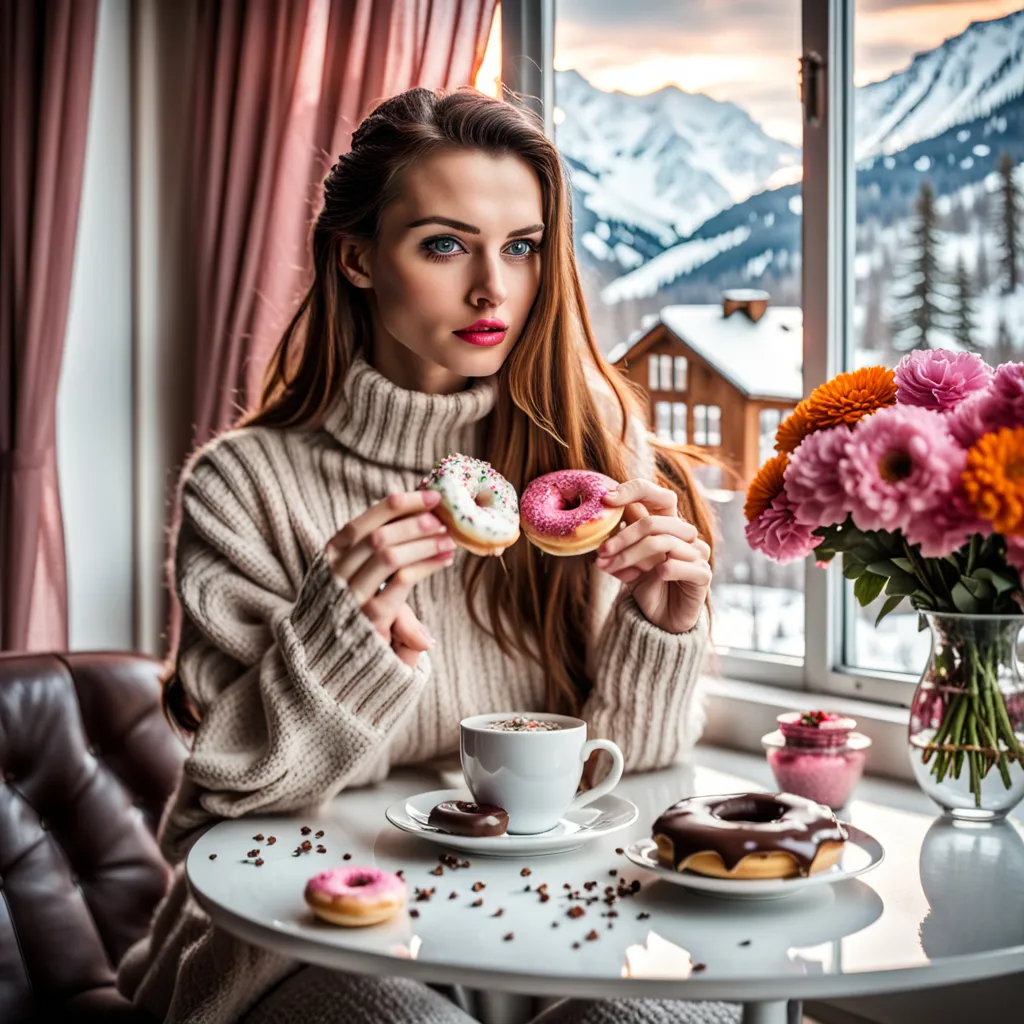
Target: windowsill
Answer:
[[740, 713]]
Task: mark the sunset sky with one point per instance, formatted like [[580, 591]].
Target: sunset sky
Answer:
[[743, 50]]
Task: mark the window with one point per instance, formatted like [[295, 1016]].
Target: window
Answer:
[[681, 367], [936, 255], [679, 422], [663, 420], [665, 363], [714, 430], [682, 137]]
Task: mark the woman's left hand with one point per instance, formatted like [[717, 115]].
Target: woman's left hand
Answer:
[[657, 555]]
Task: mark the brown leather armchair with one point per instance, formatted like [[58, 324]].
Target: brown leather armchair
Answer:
[[88, 763]]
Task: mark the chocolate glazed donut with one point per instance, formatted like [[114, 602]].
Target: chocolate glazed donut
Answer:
[[749, 835], [462, 818]]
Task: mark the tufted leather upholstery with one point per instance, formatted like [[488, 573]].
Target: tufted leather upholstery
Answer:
[[87, 762]]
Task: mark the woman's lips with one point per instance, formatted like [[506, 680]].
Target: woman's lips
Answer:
[[483, 338]]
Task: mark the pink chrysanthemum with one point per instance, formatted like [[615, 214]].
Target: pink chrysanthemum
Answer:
[[777, 534], [940, 379], [947, 527], [969, 420], [1007, 393], [812, 482], [899, 463]]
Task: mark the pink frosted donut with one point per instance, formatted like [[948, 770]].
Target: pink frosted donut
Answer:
[[355, 896], [562, 513]]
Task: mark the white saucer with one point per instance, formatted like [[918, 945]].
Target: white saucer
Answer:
[[861, 853], [605, 815]]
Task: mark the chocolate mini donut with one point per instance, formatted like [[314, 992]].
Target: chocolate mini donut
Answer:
[[462, 818], [749, 835]]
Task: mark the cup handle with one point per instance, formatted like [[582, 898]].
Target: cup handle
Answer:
[[610, 781]]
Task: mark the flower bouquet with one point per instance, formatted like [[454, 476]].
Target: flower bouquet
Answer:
[[915, 476]]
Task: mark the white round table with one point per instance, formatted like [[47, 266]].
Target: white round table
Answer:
[[946, 905]]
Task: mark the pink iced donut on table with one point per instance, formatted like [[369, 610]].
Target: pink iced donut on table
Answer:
[[355, 896], [562, 513]]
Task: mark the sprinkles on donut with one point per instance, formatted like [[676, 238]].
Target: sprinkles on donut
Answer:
[[478, 505], [562, 512]]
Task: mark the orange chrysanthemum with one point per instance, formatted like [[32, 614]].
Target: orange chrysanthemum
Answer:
[[994, 479], [793, 429], [766, 486], [848, 397]]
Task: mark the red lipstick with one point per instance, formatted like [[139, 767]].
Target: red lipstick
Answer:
[[483, 332]]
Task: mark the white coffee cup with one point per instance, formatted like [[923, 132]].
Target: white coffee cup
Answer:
[[532, 775]]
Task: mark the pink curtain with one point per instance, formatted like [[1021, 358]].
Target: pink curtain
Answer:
[[46, 58], [294, 101]]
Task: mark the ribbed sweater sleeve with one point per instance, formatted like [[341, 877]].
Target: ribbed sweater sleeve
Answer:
[[297, 691], [644, 695]]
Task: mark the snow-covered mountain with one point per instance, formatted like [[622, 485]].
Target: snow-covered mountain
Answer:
[[964, 79], [665, 162]]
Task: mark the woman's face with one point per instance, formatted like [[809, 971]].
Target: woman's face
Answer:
[[457, 247]]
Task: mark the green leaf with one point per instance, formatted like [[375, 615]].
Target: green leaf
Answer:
[[981, 590], [889, 605], [852, 567], [903, 563], [1001, 583], [965, 601], [868, 587], [902, 585]]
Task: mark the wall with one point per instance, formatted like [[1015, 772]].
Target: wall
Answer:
[[94, 399]]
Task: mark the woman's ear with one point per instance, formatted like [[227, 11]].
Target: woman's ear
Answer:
[[354, 261]]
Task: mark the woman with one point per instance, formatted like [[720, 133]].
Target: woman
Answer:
[[330, 629]]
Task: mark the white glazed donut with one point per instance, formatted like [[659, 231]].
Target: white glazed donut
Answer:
[[478, 505]]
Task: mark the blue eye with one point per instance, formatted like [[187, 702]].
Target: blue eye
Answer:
[[529, 247], [445, 246]]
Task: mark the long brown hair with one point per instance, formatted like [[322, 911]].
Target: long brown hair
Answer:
[[547, 414]]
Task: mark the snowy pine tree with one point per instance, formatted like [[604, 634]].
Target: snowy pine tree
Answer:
[[1009, 225], [965, 327], [921, 307], [1004, 350]]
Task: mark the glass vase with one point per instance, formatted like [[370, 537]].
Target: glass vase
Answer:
[[967, 716]]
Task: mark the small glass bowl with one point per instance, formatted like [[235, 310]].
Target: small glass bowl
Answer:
[[817, 755]]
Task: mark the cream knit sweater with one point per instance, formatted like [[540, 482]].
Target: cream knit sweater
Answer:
[[300, 697]]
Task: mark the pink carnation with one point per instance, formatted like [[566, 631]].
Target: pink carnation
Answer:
[[1007, 393], [900, 463], [940, 379], [813, 487], [777, 534], [969, 420], [947, 527]]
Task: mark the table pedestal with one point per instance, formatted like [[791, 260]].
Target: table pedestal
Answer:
[[773, 1013]]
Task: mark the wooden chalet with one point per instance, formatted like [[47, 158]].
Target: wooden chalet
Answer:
[[719, 377]]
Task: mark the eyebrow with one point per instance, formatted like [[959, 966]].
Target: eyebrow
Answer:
[[469, 229]]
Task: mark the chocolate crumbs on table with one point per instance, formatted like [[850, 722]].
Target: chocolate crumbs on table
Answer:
[[305, 830], [498, 912], [554, 924], [347, 856], [400, 872], [321, 848], [306, 845], [613, 872], [477, 903], [414, 912], [271, 840], [253, 853], [439, 870], [319, 834], [745, 942], [213, 856], [699, 967], [258, 838], [509, 937], [525, 872], [477, 886], [453, 895], [591, 935], [575, 945], [619, 850], [642, 916], [544, 897], [258, 862], [576, 911]]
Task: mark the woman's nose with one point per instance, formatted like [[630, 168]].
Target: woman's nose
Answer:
[[488, 287]]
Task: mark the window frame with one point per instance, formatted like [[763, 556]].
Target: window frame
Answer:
[[828, 221]]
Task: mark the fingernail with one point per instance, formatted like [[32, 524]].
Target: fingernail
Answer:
[[426, 636]]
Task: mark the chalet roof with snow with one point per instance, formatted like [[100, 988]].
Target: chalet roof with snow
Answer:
[[763, 359]]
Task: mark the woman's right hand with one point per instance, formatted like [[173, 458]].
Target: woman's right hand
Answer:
[[398, 542]]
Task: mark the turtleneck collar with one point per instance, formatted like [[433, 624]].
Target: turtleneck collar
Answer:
[[386, 424]]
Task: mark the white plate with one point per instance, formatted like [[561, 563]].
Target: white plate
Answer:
[[861, 853], [605, 815]]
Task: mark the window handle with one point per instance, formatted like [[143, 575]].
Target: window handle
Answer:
[[812, 88]]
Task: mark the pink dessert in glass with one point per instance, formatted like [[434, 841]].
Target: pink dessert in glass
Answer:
[[816, 754]]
